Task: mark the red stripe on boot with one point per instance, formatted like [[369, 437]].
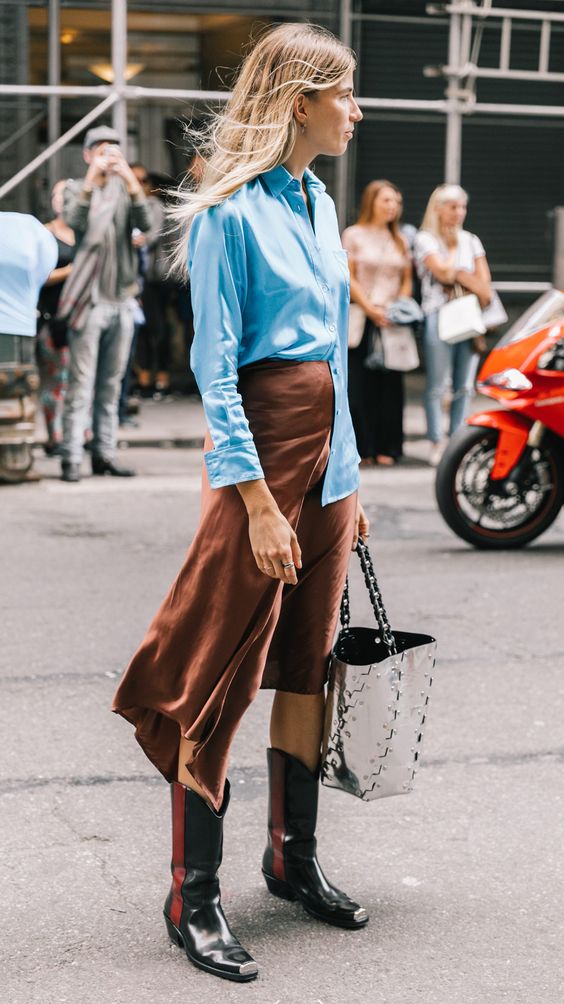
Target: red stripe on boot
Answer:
[[178, 862], [278, 782]]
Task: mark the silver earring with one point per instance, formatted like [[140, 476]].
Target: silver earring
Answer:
[[303, 128]]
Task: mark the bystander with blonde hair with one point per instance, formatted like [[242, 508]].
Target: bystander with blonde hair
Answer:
[[446, 255]]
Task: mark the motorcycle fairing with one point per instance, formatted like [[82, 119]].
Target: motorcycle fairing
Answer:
[[513, 435]]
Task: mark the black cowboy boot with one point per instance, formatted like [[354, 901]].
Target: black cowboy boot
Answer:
[[194, 918], [290, 866]]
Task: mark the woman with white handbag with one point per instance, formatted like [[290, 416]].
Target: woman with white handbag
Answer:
[[379, 351], [450, 261]]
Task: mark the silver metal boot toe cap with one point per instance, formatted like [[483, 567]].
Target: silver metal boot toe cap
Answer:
[[360, 915], [248, 968]]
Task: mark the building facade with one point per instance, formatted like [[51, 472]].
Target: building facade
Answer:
[[501, 135]]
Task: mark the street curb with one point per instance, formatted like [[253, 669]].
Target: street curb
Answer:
[[164, 443]]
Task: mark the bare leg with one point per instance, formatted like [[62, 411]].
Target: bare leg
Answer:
[[184, 775], [296, 726]]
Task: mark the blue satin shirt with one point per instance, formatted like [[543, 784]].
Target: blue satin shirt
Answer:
[[266, 284]]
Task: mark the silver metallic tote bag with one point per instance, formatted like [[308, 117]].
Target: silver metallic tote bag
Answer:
[[377, 702]]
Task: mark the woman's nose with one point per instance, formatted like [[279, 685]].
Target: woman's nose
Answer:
[[357, 114]]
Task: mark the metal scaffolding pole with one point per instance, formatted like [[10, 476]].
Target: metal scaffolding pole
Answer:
[[119, 64], [54, 105], [59, 143], [453, 144], [342, 165], [454, 106]]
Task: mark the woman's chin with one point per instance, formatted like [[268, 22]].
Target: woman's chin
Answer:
[[334, 149], [343, 147]]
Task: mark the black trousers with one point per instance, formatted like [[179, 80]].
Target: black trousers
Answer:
[[376, 399], [153, 348]]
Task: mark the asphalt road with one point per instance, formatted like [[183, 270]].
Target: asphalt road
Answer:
[[463, 878]]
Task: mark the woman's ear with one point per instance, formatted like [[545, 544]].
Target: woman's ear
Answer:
[[300, 111]]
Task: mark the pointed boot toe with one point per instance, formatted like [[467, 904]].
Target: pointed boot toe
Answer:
[[290, 866], [193, 913]]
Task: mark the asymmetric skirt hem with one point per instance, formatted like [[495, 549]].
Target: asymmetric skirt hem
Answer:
[[225, 629]]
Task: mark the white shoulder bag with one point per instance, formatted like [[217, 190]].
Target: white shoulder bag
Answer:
[[495, 314], [400, 348], [461, 318], [357, 323]]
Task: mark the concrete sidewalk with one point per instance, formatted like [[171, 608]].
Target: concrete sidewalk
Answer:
[[178, 421], [462, 878]]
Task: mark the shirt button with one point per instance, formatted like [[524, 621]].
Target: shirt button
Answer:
[[298, 208], [332, 327], [325, 287], [338, 412]]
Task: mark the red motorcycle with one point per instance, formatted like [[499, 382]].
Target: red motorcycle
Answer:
[[500, 482]]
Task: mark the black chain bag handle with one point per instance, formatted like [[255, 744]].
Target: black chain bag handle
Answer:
[[375, 598]]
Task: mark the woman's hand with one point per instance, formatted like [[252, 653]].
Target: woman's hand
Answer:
[[117, 164], [361, 525], [275, 545], [378, 316], [96, 169], [273, 542]]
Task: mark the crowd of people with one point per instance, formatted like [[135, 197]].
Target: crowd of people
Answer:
[[105, 311], [394, 267]]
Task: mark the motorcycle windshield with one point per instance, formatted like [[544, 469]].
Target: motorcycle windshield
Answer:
[[549, 307]]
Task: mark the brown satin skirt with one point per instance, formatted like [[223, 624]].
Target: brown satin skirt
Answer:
[[226, 629]]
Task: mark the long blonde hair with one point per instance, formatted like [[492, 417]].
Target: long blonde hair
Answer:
[[370, 193], [442, 194], [256, 130]]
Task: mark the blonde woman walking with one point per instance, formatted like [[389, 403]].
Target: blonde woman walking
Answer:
[[257, 599], [446, 254]]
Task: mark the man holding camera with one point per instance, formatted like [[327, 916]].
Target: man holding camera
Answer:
[[97, 301]]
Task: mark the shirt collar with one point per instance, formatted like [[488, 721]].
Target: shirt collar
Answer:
[[278, 178]]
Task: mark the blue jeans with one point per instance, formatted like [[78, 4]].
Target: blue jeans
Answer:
[[98, 358], [441, 358]]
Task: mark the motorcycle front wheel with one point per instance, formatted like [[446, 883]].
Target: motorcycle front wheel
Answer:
[[497, 514]]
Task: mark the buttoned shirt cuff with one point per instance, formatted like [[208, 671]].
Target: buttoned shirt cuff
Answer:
[[232, 464]]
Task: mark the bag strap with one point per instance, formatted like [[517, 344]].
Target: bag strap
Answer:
[[375, 598], [457, 292]]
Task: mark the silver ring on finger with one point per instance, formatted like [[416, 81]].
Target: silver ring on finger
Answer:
[[289, 564]]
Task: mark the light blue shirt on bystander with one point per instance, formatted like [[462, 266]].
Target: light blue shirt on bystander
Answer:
[[28, 253]]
